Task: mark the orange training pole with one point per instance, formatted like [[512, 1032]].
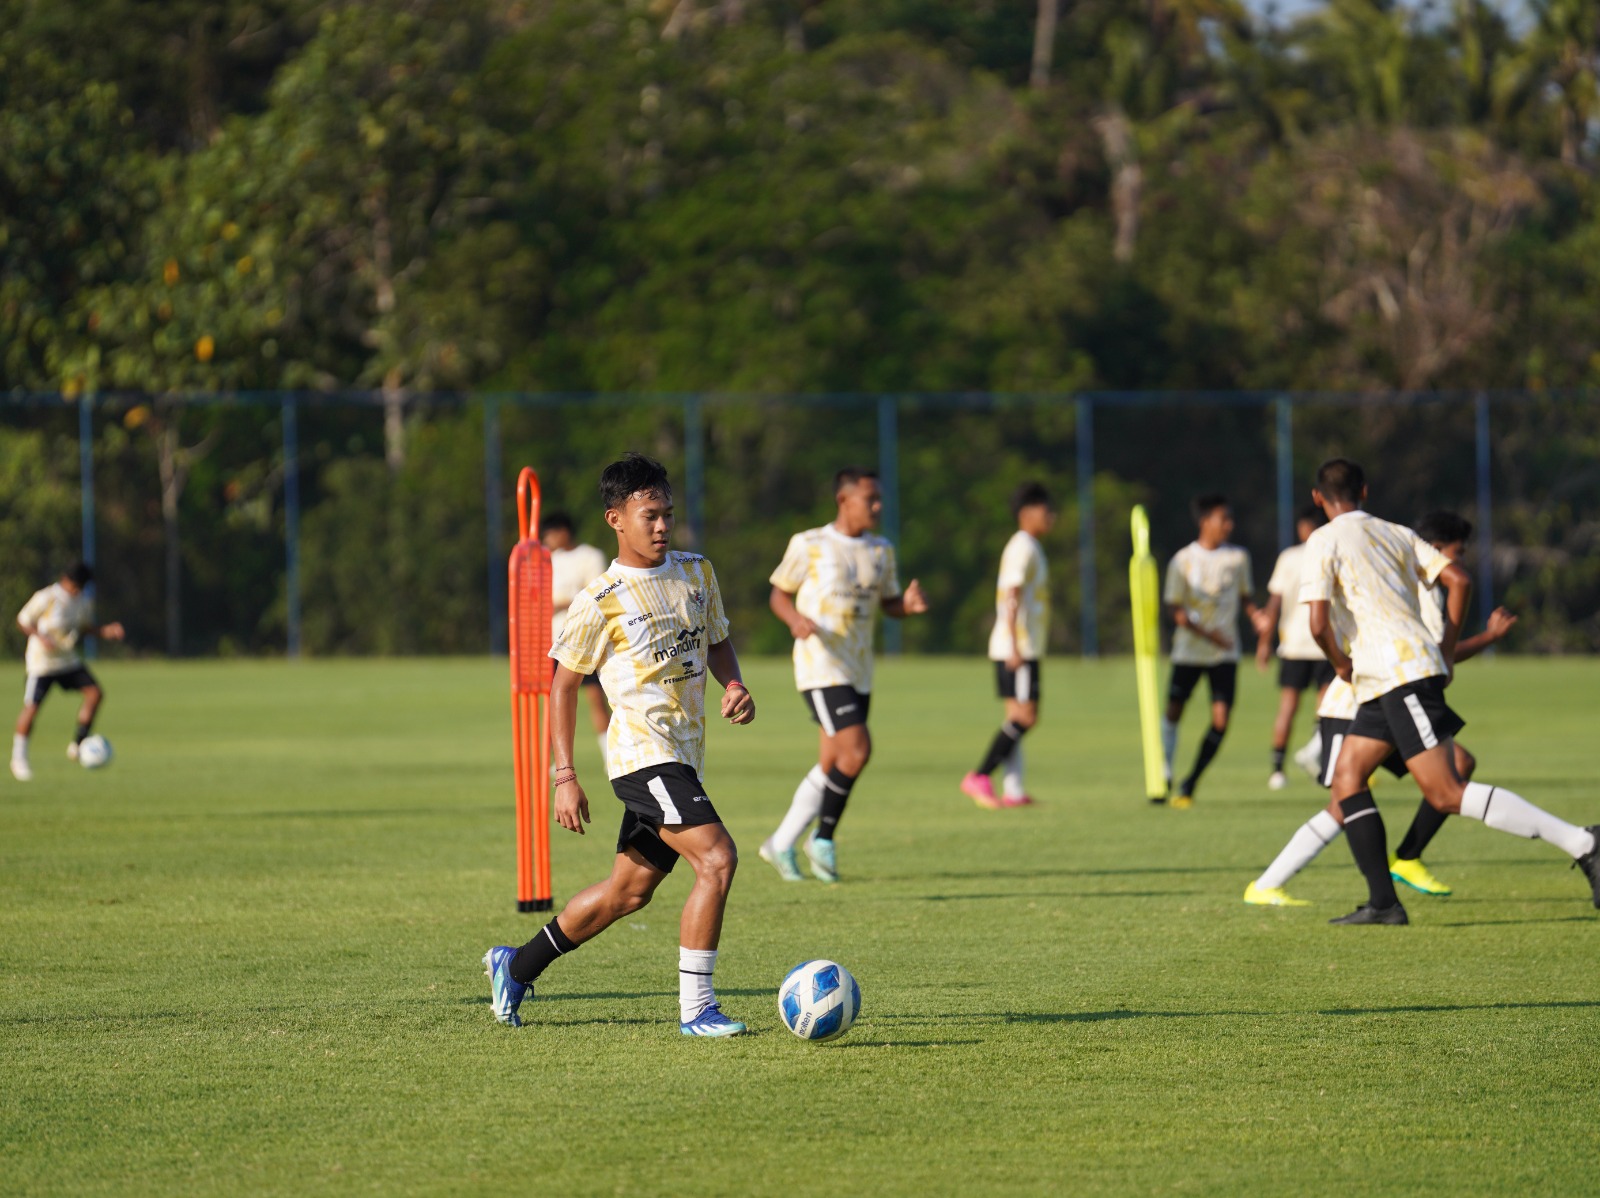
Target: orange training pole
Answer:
[[531, 670]]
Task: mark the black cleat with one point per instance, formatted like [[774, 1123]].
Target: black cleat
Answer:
[[1395, 915], [1589, 863]]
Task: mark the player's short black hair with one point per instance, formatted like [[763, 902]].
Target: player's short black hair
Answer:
[[554, 520], [80, 573], [1204, 505], [634, 474], [1030, 494], [850, 476], [1341, 479], [1444, 528], [1312, 513]]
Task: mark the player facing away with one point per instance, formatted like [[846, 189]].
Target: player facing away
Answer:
[[1361, 576], [1448, 533], [56, 620], [1016, 646], [828, 589], [1301, 664], [651, 625], [573, 567], [1207, 582]]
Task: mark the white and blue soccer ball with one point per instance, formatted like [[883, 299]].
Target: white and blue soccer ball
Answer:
[[94, 752], [819, 1000]]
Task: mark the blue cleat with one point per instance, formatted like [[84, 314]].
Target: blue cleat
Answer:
[[506, 993], [782, 860], [823, 863], [711, 1022]]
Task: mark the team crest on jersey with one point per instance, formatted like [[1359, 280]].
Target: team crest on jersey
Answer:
[[698, 598]]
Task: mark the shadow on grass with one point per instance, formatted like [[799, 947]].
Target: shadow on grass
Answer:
[[1066, 894], [482, 1000], [1490, 923], [1127, 1013], [900, 1044]]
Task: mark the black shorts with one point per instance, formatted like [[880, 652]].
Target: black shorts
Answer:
[[1296, 674], [38, 685], [1333, 734], [1021, 684], [670, 795], [1413, 718], [589, 679], [1222, 678], [834, 708]]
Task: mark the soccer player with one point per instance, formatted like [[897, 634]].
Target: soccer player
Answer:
[[1360, 582], [1016, 646], [55, 620], [1301, 664], [827, 589], [573, 567], [1207, 581], [652, 625]]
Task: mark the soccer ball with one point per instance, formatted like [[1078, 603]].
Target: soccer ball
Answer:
[[94, 752], [819, 1000]]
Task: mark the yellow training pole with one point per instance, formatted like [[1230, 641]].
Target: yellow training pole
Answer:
[[1144, 587]]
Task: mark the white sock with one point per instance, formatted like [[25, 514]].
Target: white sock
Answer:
[[695, 966], [604, 764], [1316, 834], [1011, 785], [1506, 811], [1312, 747], [19, 746], [1169, 742], [805, 807]]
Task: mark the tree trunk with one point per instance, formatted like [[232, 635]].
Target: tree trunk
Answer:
[[1127, 178], [1044, 44], [394, 421], [173, 477]]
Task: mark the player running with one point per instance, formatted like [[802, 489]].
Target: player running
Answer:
[[1207, 582], [651, 626], [573, 567], [1301, 664], [55, 620], [1361, 576], [1448, 533], [827, 589], [1016, 646]]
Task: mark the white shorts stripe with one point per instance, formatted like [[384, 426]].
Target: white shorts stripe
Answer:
[[1420, 719], [1333, 759], [28, 689], [823, 713], [1024, 683], [669, 809]]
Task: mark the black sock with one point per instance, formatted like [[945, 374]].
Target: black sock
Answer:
[[83, 731], [835, 794], [535, 956], [1363, 828], [1005, 741], [1277, 760], [1428, 820], [1208, 750]]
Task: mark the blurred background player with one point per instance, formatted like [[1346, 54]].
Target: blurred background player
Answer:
[[828, 589], [572, 568], [1017, 645], [1207, 582], [1301, 664], [56, 620]]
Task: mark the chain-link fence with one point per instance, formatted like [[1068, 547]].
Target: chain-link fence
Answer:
[[373, 523]]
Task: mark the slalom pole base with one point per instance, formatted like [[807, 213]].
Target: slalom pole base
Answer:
[[526, 905]]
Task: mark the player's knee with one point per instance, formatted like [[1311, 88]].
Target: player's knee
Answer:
[[1026, 716], [93, 694], [628, 899], [1466, 764], [717, 866], [1445, 797]]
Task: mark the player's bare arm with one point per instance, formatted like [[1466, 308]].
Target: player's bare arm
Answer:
[[571, 805], [1013, 606], [782, 604], [1264, 626], [1322, 633], [738, 706], [910, 602], [1500, 622], [1458, 593], [1182, 618]]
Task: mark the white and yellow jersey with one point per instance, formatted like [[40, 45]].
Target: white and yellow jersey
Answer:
[[1295, 642], [1209, 584], [646, 633], [570, 571], [1022, 568], [1369, 571], [64, 618], [1339, 701], [838, 583]]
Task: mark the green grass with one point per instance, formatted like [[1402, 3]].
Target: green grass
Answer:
[[244, 959]]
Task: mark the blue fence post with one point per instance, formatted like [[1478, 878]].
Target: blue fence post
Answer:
[[889, 481], [291, 525], [1086, 566], [494, 525], [1285, 413], [86, 492], [694, 469], [1485, 510]]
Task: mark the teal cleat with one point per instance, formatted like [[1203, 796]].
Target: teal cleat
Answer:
[[711, 1022], [782, 860], [823, 863], [505, 992]]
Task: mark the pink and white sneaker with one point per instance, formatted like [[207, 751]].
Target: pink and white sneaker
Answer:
[[1016, 800], [980, 790]]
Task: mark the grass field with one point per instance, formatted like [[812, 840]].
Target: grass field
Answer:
[[244, 959]]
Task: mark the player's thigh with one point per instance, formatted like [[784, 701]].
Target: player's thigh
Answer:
[[708, 848], [851, 745], [1358, 757], [634, 875], [1435, 772]]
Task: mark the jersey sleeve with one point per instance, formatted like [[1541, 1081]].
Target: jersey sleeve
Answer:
[[1278, 584], [34, 608], [716, 617], [890, 585], [1177, 589], [1014, 564], [1430, 562], [1247, 577], [1317, 571], [581, 646], [794, 567]]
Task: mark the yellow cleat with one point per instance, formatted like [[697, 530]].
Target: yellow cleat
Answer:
[[1276, 897], [1417, 876], [1182, 802]]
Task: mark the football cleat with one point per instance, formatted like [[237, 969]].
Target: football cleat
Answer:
[[980, 789], [1589, 863], [1417, 876], [1183, 802], [72, 751], [505, 992], [1016, 800], [21, 770], [1277, 781], [711, 1022], [1309, 758], [1368, 914], [1274, 896], [782, 860], [824, 864]]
